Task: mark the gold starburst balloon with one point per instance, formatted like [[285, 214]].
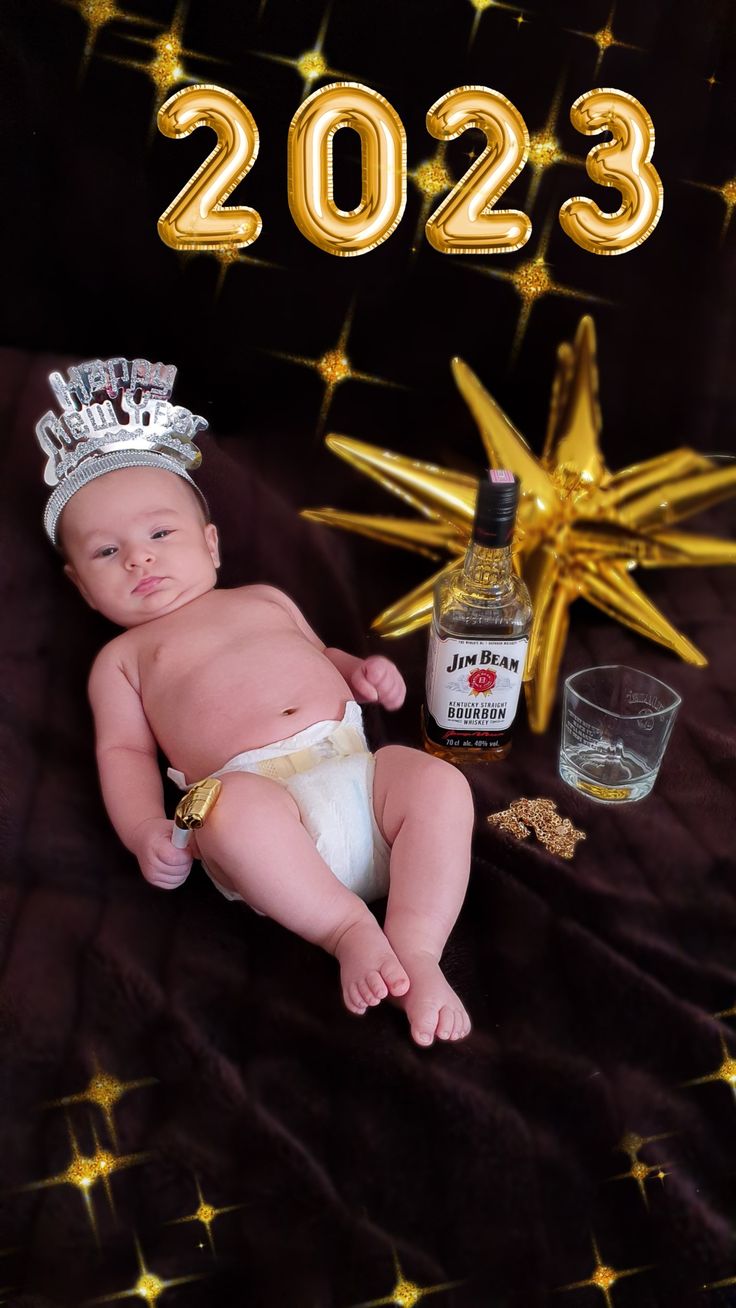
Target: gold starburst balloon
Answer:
[[581, 529]]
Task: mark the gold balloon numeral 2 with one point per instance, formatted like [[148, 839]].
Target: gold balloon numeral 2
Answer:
[[465, 222], [197, 218]]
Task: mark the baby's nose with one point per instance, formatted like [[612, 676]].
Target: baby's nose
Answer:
[[138, 555]]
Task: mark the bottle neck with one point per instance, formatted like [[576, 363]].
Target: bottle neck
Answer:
[[487, 566]]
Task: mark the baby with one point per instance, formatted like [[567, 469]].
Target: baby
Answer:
[[234, 683]]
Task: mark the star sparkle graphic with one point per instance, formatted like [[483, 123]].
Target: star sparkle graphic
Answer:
[[641, 1172], [482, 6], [104, 1091], [228, 256], [605, 40], [334, 367], [604, 1277], [85, 1171], [312, 64], [631, 1143], [148, 1286], [432, 179], [167, 68], [97, 14], [727, 193], [405, 1293], [726, 1072], [545, 149], [206, 1214], [532, 280]]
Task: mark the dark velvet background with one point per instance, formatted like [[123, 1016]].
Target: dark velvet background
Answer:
[[592, 985]]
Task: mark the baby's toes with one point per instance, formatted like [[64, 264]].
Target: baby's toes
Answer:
[[395, 977], [376, 985], [367, 994], [353, 999], [445, 1023], [424, 1025]]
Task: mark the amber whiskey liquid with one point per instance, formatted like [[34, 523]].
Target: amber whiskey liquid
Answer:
[[479, 638]]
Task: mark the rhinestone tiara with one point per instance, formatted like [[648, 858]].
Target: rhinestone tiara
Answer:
[[114, 414]]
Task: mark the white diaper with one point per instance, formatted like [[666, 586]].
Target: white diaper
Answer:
[[328, 770]]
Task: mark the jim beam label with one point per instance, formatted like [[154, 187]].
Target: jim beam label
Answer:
[[473, 688]]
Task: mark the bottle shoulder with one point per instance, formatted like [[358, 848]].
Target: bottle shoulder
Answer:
[[460, 608]]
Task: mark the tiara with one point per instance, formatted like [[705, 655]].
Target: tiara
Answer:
[[114, 414]]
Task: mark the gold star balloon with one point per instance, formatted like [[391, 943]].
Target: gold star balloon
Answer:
[[581, 530]]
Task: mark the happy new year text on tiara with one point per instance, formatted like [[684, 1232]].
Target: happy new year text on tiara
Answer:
[[135, 413]]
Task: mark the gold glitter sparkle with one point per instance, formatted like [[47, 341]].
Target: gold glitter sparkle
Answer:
[[312, 64], [482, 6], [227, 256], [727, 193], [545, 149], [605, 39], [532, 280], [640, 1172], [84, 1171], [726, 1072], [148, 1285], [104, 1091], [431, 179], [166, 68], [405, 1293], [206, 1214], [604, 1277], [97, 14], [334, 368]]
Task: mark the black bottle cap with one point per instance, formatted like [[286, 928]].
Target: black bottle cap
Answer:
[[495, 510]]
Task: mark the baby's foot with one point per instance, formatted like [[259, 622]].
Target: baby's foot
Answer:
[[431, 1005], [369, 968]]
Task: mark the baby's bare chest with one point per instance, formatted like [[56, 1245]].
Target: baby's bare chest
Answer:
[[216, 645]]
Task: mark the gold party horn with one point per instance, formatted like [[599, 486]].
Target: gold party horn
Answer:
[[193, 810]]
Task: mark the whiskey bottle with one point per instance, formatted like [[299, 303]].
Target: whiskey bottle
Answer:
[[479, 636]]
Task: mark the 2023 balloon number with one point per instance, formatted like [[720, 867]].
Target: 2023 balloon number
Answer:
[[466, 222]]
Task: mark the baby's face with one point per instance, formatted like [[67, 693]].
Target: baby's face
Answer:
[[137, 545]]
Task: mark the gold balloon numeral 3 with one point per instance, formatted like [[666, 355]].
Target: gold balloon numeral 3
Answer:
[[465, 222]]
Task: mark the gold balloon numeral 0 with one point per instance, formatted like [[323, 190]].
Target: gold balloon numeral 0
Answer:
[[383, 158], [197, 218], [464, 223]]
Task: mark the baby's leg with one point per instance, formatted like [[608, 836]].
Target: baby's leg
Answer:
[[255, 844], [425, 811]]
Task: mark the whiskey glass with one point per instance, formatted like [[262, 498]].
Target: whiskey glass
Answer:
[[616, 722]]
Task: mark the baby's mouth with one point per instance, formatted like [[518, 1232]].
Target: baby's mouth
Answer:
[[147, 584]]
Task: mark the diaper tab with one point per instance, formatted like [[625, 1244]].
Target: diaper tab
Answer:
[[341, 742]]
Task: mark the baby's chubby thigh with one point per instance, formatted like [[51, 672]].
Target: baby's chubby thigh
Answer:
[[411, 784], [254, 843]]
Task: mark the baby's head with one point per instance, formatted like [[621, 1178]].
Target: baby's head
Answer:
[[131, 525]]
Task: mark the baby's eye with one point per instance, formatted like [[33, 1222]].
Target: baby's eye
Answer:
[[105, 552], [163, 531]]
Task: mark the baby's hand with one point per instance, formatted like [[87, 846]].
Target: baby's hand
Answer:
[[160, 862], [378, 681]]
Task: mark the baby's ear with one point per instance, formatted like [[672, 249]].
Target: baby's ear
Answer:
[[213, 545], [71, 574]]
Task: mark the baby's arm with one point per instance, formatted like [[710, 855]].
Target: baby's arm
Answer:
[[372, 680], [129, 775]]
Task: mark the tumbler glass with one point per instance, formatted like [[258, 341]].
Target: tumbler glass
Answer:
[[616, 722]]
